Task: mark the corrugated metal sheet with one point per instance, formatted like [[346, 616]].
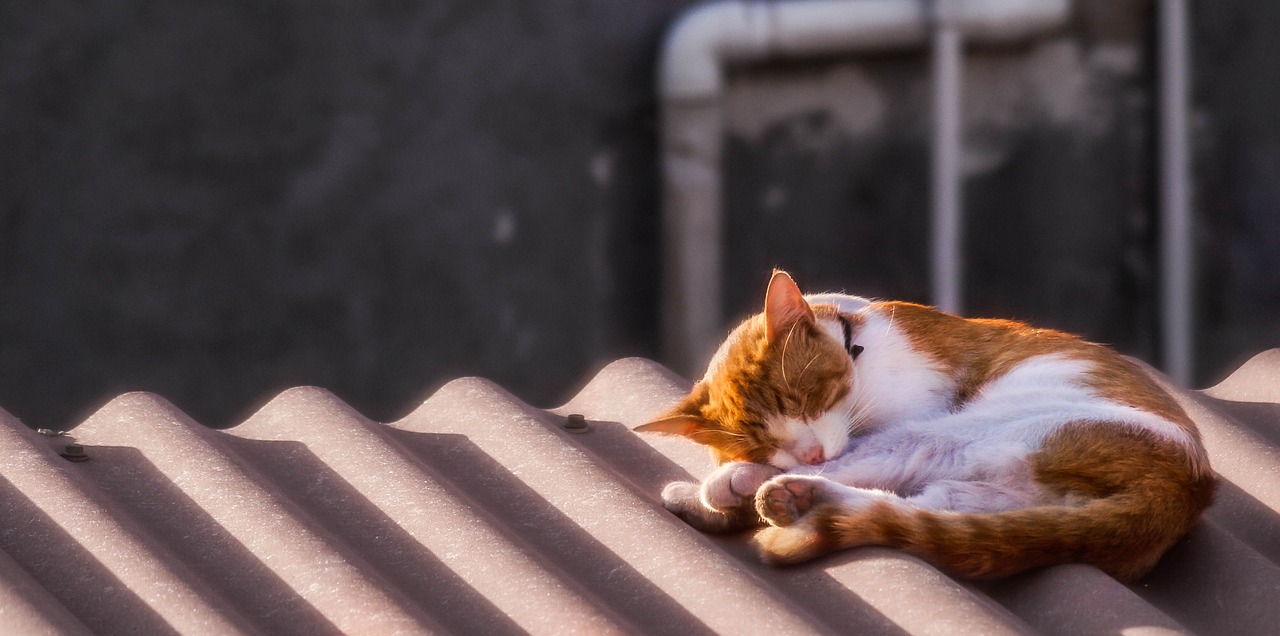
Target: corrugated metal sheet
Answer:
[[478, 514]]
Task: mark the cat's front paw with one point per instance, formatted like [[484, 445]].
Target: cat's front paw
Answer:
[[683, 499], [785, 499], [733, 486], [680, 496]]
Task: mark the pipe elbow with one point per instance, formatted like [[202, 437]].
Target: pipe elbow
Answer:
[[702, 39], [1003, 21]]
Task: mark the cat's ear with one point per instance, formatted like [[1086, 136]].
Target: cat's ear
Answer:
[[784, 306], [683, 425], [685, 419]]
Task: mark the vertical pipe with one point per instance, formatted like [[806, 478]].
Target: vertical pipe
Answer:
[[1176, 240], [691, 85], [691, 232], [947, 226]]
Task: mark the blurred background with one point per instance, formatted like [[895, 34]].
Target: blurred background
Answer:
[[217, 200]]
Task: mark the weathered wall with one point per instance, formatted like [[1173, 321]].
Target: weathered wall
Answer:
[[1057, 160], [214, 200], [1237, 95]]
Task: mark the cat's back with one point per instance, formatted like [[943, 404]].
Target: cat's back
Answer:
[[1010, 372]]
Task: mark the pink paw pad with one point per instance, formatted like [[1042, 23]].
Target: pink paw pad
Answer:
[[783, 502]]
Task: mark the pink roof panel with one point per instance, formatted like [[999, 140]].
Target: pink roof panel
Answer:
[[477, 513]]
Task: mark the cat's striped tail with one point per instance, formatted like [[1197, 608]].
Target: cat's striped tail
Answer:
[[1121, 515]]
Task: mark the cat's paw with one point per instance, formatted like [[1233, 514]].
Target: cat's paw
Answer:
[[683, 499], [678, 496], [794, 543], [785, 499], [733, 486]]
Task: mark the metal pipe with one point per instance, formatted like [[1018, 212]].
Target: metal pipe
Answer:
[[700, 45], [1177, 247], [708, 37], [947, 228], [692, 252]]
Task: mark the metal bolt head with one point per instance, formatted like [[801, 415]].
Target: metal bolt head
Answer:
[[575, 423], [74, 452]]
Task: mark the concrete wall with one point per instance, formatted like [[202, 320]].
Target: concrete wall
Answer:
[[1237, 95], [217, 200], [1058, 164]]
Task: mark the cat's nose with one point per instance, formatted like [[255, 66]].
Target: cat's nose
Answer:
[[814, 455]]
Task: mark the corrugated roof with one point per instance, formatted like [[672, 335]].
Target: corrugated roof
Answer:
[[478, 514]]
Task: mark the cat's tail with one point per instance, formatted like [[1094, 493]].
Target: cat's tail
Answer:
[[1122, 525]]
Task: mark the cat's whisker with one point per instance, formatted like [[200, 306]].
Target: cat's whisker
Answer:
[[858, 400], [807, 365], [858, 412], [868, 409], [785, 343], [734, 434]]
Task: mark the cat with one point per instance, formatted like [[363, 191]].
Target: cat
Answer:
[[986, 447]]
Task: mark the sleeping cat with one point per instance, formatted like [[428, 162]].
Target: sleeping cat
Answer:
[[986, 447]]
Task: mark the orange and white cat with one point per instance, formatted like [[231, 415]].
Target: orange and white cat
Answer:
[[986, 447]]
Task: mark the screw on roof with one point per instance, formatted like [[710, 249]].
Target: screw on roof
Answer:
[[575, 423], [74, 452]]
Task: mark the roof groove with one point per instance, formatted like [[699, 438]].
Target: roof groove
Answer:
[[231, 493], [1213, 583], [1078, 599], [57, 529], [180, 530], [549, 538], [1247, 465], [1247, 519], [26, 607], [521, 439], [424, 533], [647, 471], [477, 513]]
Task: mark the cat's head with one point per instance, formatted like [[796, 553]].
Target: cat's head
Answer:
[[778, 390]]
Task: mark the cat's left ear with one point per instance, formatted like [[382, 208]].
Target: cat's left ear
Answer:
[[784, 306], [683, 425]]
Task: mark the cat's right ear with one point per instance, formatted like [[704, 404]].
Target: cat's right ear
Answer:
[[682, 425], [784, 306]]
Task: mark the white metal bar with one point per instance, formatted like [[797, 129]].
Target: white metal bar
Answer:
[[1177, 247], [948, 224]]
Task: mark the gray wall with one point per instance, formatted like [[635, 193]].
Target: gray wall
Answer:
[[218, 200], [1059, 177]]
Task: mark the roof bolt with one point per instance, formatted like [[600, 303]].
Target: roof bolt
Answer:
[[74, 452], [575, 423]]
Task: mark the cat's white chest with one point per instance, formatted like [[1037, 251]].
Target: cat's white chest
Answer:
[[892, 381]]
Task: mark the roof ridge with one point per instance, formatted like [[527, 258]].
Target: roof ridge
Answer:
[[57, 512], [649, 383], [479, 513], [1245, 385]]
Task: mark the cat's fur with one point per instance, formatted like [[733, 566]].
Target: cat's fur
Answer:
[[986, 447]]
